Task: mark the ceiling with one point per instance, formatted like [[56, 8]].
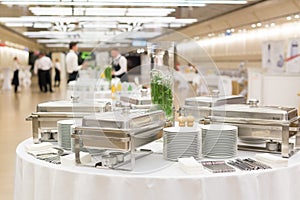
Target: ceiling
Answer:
[[107, 23]]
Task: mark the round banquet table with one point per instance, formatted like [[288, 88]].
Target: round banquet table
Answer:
[[152, 179]]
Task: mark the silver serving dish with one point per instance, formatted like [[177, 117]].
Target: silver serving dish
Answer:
[[136, 99], [48, 113], [200, 107], [119, 131], [141, 100], [261, 124], [143, 127]]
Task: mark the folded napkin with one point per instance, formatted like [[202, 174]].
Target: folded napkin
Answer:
[[272, 160], [190, 165], [43, 152], [39, 147]]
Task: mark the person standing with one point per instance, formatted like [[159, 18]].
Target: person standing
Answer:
[[119, 65], [72, 62], [44, 65], [57, 73], [16, 68], [37, 71]]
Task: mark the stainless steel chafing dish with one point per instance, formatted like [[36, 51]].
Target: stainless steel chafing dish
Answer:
[[44, 120], [273, 125], [140, 100], [200, 107], [119, 131]]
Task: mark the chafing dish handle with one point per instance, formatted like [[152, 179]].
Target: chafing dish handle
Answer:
[[29, 118], [294, 129]]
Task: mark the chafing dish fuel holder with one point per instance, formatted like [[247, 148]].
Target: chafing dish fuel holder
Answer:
[[120, 131], [272, 126]]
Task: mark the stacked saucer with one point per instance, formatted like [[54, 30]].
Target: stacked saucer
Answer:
[[64, 133], [180, 142], [219, 141]]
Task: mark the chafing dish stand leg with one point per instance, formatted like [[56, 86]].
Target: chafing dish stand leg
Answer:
[[76, 147], [35, 129], [132, 152], [297, 144], [285, 150]]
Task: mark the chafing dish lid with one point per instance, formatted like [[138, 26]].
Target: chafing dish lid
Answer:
[[123, 120], [136, 99], [207, 101], [69, 106], [256, 112]]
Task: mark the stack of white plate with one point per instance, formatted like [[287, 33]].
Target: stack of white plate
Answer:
[[180, 142], [64, 133], [219, 141]]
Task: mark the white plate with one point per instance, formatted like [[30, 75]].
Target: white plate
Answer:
[[181, 129], [219, 127]]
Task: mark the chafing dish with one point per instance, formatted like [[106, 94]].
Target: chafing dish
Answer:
[[48, 113], [140, 100], [269, 124], [118, 131], [200, 107]]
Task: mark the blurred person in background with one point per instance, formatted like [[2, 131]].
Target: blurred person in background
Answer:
[[16, 68], [38, 71], [57, 73], [44, 65], [72, 62], [119, 65]]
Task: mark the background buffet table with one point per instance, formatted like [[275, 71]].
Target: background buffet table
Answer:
[[153, 178]]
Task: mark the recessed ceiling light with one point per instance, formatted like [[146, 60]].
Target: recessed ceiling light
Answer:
[[258, 24], [288, 18], [297, 16], [273, 24], [253, 25], [267, 25], [232, 30]]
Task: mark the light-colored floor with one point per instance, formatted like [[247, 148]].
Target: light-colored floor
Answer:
[[14, 108]]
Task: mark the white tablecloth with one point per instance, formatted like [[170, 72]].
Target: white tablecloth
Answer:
[[153, 179]]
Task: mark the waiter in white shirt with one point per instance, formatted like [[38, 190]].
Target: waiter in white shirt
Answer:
[[44, 65], [57, 73], [16, 68], [72, 62], [119, 65]]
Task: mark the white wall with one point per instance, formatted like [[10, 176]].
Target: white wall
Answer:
[[228, 51], [7, 54], [274, 89]]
